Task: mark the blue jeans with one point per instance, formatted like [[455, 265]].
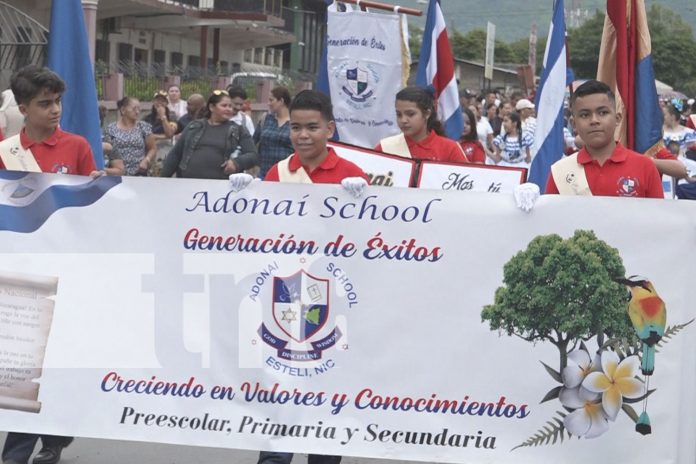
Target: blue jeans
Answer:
[[19, 446]]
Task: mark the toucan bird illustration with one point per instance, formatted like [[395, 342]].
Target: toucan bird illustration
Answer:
[[648, 315]]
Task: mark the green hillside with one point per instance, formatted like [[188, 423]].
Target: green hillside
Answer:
[[514, 18]]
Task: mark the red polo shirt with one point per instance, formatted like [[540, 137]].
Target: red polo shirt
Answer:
[[434, 148], [473, 151], [625, 174], [331, 171], [62, 153]]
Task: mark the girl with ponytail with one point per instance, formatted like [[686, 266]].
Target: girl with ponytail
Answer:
[[421, 136]]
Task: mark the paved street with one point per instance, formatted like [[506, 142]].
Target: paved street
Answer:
[[92, 451]]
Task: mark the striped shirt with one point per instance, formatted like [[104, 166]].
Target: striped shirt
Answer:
[[512, 148]]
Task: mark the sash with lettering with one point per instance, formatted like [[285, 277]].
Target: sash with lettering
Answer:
[[15, 157], [569, 176]]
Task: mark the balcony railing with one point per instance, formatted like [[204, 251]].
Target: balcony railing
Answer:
[[269, 7]]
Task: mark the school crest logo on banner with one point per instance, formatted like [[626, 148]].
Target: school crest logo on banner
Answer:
[[357, 80], [300, 304], [358, 83]]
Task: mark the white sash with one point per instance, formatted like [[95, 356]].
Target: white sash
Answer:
[[286, 175], [396, 145], [569, 176], [16, 158]]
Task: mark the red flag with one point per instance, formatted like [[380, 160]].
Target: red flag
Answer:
[[625, 64]]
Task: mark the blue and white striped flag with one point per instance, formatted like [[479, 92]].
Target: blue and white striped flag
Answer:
[[549, 144]]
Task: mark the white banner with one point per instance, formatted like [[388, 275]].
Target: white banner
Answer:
[[365, 73], [470, 177], [295, 318], [382, 169]]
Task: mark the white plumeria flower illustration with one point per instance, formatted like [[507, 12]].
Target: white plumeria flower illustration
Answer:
[[617, 381], [579, 366], [589, 419]]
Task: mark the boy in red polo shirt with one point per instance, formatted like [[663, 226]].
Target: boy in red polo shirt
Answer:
[[311, 126], [603, 167], [41, 146]]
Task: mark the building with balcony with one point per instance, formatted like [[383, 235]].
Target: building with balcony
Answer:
[[188, 38]]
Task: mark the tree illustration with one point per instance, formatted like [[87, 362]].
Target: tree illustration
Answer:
[[562, 291]]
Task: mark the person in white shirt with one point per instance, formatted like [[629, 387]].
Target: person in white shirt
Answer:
[[526, 110], [174, 102], [238, 96], [11, 119]]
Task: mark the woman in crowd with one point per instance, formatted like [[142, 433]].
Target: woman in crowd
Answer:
[[513, 148], [493, 118], [673, 131], [113, 164], [11, 119], [132, 139], [273, 135], [421, 132], [470, 143], [213, 147], [176, 105], [163, 122]]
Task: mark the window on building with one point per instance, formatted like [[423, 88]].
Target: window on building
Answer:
[[159, 63], [125, 58], [141, 61], [177, 62], [194, 61]]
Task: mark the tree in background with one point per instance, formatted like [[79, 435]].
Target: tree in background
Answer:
[[415, 40], [673, 48], [583, 46]]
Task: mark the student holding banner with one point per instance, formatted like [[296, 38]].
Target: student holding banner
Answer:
[[421, 136], [311, 126], [604, 166], [41, 146]]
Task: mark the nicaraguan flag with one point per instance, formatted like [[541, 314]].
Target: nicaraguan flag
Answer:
[[549, 144], [68, 55], [27, 200], [625, 64], [436, 70]]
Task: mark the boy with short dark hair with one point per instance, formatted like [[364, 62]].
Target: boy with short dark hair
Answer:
[[41, 146], [239, 97], [603, 167], [311, 126]]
